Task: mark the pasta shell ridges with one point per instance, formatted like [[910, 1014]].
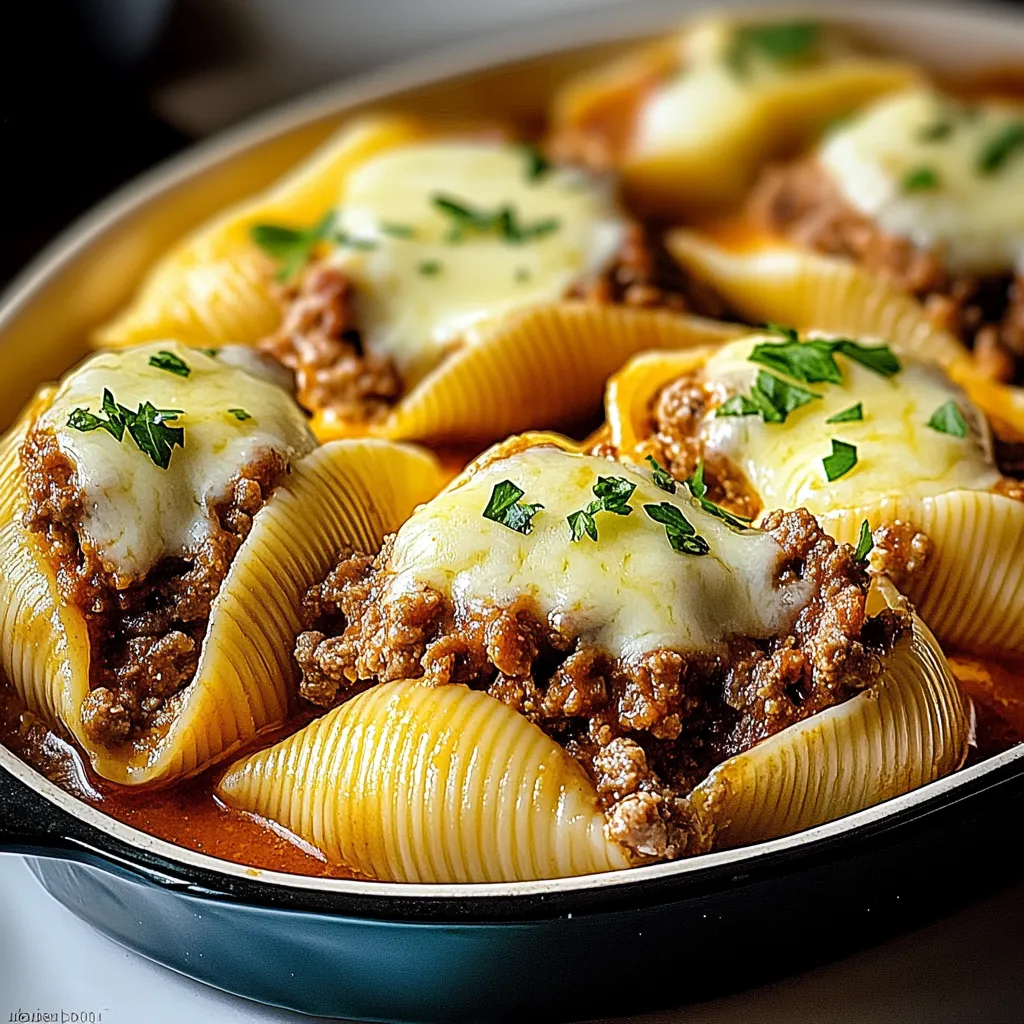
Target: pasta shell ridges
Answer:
[[430, 784]]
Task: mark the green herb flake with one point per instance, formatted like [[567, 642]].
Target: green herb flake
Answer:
[[147, 426], [937, 130], [920, 179], [537, 164], [347, 241], [429, 268], [398, 230], [771, 398], [611, 494], [841, 461], [995, 153], [681, 534], [291, 247], [698, 490], [812, 362], [240, 414], [879, 358], [503, 222], [948, 419], [854, 413], [211, 352], [523, 274], [661, 476], [787, 43], [504, 507], [865, 542], [171, 363]]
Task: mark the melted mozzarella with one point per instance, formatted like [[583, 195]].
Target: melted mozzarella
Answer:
[[976, 220], [897, 452], [137, 513], [419, 296], [628, 592], [692, 108]]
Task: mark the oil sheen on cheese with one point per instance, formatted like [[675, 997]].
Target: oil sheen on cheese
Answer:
[[137, 513], [425, 287], [974, 218], [629, 592], [897, 452]]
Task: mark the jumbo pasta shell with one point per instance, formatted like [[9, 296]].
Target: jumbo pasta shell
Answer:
[[768, 281], [911, 727], [970, 590], [348, 493], [715, 167], [217, 286], [544, 365], [415, 783], [630, 392]]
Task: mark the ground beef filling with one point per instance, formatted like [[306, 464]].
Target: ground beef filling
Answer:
[[320, 341], [800, 202], [145, 639], [646, 730]]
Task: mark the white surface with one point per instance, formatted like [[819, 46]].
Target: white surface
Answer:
[[965, 968]]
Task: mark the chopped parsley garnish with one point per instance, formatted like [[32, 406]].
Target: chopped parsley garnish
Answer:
[[788, 42], [612, 494], [171, 363], [240, 414], [147, 426], [948, 419], [503, 222], [681, 535], [855, 412], [505, 507], [661, 476], [814, 362], [537, 164], [841, 461], [920, 179], [1001, 147], [696, 486], [343, 238], [398, 230], [865, 542], [771, 398], [293, 247], [937, 130], [523, 274], [211, 352], [430, 268]]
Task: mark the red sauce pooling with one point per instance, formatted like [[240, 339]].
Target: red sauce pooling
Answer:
[[187, 814]]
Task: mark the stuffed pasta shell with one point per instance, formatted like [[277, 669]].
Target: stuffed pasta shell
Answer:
[[162, 511], [576, 665], [906, 221], [853, 433], [691, 119], [426, 285]]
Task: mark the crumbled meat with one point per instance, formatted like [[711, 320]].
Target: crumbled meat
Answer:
[[900, 551], [677, 413], [800, 202], [644, 275], [319, 340], [144, 639], [648, 728]]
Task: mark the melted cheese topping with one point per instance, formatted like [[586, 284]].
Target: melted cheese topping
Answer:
[[691, 108], [975, 219], [897, 452], [629, 592], [419, 292], [137, 513]]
